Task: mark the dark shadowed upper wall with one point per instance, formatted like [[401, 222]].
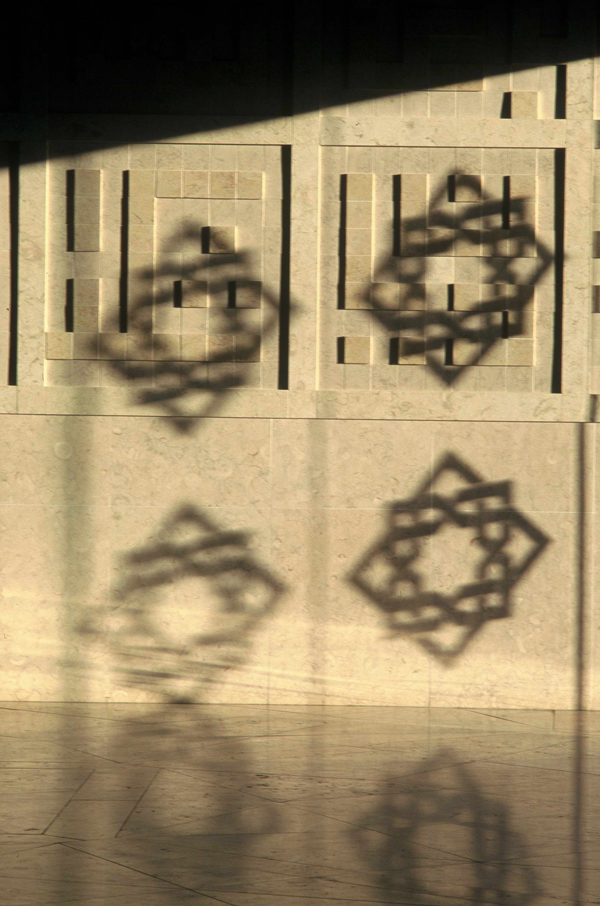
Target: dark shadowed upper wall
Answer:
[[237, 64]]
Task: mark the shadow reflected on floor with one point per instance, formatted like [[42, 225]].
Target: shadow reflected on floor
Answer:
[[440, 835]]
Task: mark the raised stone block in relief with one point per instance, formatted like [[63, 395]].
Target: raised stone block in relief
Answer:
[[451, 271], [162, 256]]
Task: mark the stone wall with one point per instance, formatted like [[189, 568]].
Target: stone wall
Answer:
[[299, 391]]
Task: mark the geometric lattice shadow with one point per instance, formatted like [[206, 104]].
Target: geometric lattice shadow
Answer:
[[504, 542], [502, 253], [186, 390], [419, 818], [186, 606]]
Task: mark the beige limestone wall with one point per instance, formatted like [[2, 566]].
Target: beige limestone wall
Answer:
[[275, 615], [301, 409]]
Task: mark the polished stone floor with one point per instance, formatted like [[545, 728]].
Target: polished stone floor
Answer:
[[136, 805]]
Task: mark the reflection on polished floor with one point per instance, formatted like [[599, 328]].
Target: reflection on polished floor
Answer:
[[136, 805]]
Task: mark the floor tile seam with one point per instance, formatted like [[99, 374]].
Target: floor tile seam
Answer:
[[58, 745], [533, 767], [136, 805], [57, 816], [456, 858], [260, 799], [358, 826], [304, 811], [233, 789], [30, 848], [447, 898], [63, 713], [510, 720], [191, 774], [130, 868], [236, 856]]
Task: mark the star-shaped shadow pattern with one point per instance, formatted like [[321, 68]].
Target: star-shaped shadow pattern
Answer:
[[513, 261], [504, 543], [440, 827], [190, 389], [187, 604]]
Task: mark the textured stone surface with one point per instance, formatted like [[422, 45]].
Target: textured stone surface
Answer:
[[286, 305]]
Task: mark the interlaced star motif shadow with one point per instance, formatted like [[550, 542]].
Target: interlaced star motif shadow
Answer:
[[438, 834], [513, 262], [190, 389], [186, 606], [393, 572]]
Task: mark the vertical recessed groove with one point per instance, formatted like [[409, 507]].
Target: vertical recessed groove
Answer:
[[581, 667], [506, 202], [560, 105], [177, 294], [559, 256], [13, 213], [123, 280], [283, 377], [452, 188], [341, 302], [505, 325], [451, 297], [70, 211], [448, 350], [396, 196], [231, 287], [69, 306], [506, 106]]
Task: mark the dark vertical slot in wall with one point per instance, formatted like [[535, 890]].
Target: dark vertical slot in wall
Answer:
[[341, 303], [13, 319], [70, 306], [205, 240], [231, 296], [283, 378], [452, 188], [581, 568], [506, 107], [505, 211], [579, 734], [559, 256], [448, 350], [396, 232], [394, 351], [123, 280], [177, 294], [70, 212], [560, 104]]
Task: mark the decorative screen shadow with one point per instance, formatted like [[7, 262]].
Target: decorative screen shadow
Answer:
[[164, 270], [441, 261], [441, 590]]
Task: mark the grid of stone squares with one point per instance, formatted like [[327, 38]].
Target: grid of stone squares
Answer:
[[162, 252], [416, 244]]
